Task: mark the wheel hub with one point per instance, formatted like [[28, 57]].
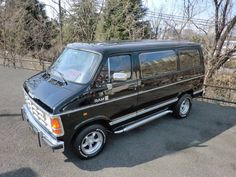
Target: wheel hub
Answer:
[[184, 107], [92, 142]]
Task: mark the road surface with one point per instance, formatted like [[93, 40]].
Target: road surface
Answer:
[[204, 145]]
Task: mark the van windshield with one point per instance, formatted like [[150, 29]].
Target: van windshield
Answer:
[[75, 65]]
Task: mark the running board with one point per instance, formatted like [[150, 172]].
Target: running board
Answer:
[[142, 122]]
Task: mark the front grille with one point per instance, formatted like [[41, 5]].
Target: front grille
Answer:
[[38, 112]]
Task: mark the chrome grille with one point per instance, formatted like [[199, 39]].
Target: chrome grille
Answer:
[[38, 112]]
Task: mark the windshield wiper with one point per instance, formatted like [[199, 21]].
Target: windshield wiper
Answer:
[[62, 76]]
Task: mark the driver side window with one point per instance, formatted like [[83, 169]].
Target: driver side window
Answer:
[[120, 64], [116, 64]]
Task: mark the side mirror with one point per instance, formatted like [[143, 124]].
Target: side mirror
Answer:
[[120, 76]]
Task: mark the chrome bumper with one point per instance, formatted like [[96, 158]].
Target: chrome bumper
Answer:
[[42, 134]]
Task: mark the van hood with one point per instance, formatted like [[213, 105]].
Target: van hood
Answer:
[[51, 91]]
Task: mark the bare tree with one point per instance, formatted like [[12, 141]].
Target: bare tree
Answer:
[[75, 19], [3, 20], [60, 15], [172, 25], [60, 21], [156, 21], [223, 26], [24, 30], [178, 23], [217, 49]]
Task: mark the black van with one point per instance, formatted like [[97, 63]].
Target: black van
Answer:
[[92, 89]]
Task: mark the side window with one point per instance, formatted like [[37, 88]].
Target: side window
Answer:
[[158, 63], [189, 58], [120, 64], [115, 64]]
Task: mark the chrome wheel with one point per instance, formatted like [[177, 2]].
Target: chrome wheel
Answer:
[[92, 142], [184, 107]]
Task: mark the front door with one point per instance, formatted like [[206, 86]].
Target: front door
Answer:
[[121, 97]]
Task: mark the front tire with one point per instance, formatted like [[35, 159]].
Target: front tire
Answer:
[[90, 141], [183, 106]]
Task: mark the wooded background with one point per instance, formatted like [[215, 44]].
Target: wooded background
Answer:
[[27, 32]]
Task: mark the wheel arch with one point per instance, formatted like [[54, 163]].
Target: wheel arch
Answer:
[[102, 120], [190, 92]]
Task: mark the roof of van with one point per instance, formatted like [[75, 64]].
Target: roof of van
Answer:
[[130, 46]]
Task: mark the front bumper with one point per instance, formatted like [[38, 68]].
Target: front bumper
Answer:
[[41, 132]]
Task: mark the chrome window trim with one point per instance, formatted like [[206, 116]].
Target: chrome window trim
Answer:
[[86, 50], [140, 112]]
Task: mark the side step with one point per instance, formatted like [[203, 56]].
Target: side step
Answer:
[[142, 122]]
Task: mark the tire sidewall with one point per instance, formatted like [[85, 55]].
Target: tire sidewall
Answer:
[[78, 141], [178, 106]]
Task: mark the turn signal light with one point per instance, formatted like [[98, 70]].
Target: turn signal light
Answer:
[[57, 131], [55, 122], [56, 126]]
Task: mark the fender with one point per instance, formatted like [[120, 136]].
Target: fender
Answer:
[[100, 119]]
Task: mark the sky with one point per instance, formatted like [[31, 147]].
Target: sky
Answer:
[[173, 7]]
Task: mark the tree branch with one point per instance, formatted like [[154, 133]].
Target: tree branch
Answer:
[[224, 35]]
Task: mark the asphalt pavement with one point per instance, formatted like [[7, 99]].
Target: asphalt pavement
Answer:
[[204, 145]]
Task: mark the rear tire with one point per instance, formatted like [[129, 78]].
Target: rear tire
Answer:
[[183, 107], [90, 141]]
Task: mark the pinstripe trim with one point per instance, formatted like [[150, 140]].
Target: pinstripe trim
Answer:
[[127, 96]]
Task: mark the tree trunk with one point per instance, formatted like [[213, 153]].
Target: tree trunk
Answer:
[[60, 22]]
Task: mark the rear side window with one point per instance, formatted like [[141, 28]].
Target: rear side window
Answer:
[[158, 63], [189, 58]]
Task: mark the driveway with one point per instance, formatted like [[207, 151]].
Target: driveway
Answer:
[[202, 145]]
